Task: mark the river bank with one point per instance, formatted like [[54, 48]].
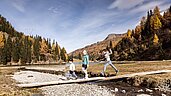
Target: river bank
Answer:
[[155, 85], [109, 88]]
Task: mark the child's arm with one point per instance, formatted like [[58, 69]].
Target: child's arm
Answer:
[[110, 51]]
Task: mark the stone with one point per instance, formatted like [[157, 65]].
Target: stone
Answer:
[[143, 95], [141, 90], [123, 91], [149, 90], [116, 89], [163, 94]]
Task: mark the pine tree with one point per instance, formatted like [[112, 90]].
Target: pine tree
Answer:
[[146, 32], [9, 49], [36, 48], [4, 52], [23, 51], [64, 54], [29, 52], [15, 50], [53, 51], [58, 51]]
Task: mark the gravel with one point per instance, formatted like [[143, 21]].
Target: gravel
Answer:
[[76, 90], [33, 77], [61, 90]]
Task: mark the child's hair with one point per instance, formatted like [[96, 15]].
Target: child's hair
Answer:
[[71, 59]]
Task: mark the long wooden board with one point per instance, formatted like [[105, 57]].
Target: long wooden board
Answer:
[[31, 85]]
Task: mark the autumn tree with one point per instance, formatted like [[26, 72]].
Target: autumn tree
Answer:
[[157, 12], [155, 23], [4, 52], [44, 47], [129, 33], [137, 32], [64, 54], [155, 39]]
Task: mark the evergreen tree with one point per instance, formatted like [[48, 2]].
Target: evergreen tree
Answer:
[[36, 48], [4, 52], [23, 51], [58, 51], [9, 49], [64, 54], [53, 51], [29, 52], [15, 50]]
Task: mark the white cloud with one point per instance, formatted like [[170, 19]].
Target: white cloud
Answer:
[[125, 4], [146, 7], [19, 5]]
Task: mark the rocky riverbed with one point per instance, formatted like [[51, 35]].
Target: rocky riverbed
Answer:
[[61, 90], [112, 88]]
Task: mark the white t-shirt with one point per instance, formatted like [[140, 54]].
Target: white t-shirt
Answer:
[[107, 55], [72, 67]]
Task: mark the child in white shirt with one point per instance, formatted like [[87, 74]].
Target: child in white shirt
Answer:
[[72, 69]]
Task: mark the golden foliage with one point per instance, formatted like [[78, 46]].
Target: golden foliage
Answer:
[[155, 23], [155, 39], [1, 40], [129, 33], [44, 47], [137, 30]]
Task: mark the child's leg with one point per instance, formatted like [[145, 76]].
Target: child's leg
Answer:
[[110, 62], [86, 75], [74, 75], [104, 69]]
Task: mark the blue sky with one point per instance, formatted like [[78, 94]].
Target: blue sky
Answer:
[[76, 23]]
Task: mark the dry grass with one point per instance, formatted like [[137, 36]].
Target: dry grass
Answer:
[[133, 68], [8, 85]]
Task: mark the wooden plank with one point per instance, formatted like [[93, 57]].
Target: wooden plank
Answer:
[[31, 85]]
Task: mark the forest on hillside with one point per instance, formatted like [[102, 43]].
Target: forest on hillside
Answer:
[[150, 40], [15, 47]]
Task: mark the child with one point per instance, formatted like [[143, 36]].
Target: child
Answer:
[[72, 69], [85, 62], [109, 62]]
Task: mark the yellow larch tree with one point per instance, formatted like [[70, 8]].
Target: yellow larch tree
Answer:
[[155, 39]]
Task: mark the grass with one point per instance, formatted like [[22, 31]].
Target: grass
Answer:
[[8, 85], [134, 68]]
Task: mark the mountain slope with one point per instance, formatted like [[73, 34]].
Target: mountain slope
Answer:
[[94, 49]]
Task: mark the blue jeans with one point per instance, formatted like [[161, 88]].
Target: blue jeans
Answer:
[[72, 74], [109, 63]]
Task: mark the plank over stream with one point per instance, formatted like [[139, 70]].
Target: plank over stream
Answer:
[[31, 85]]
